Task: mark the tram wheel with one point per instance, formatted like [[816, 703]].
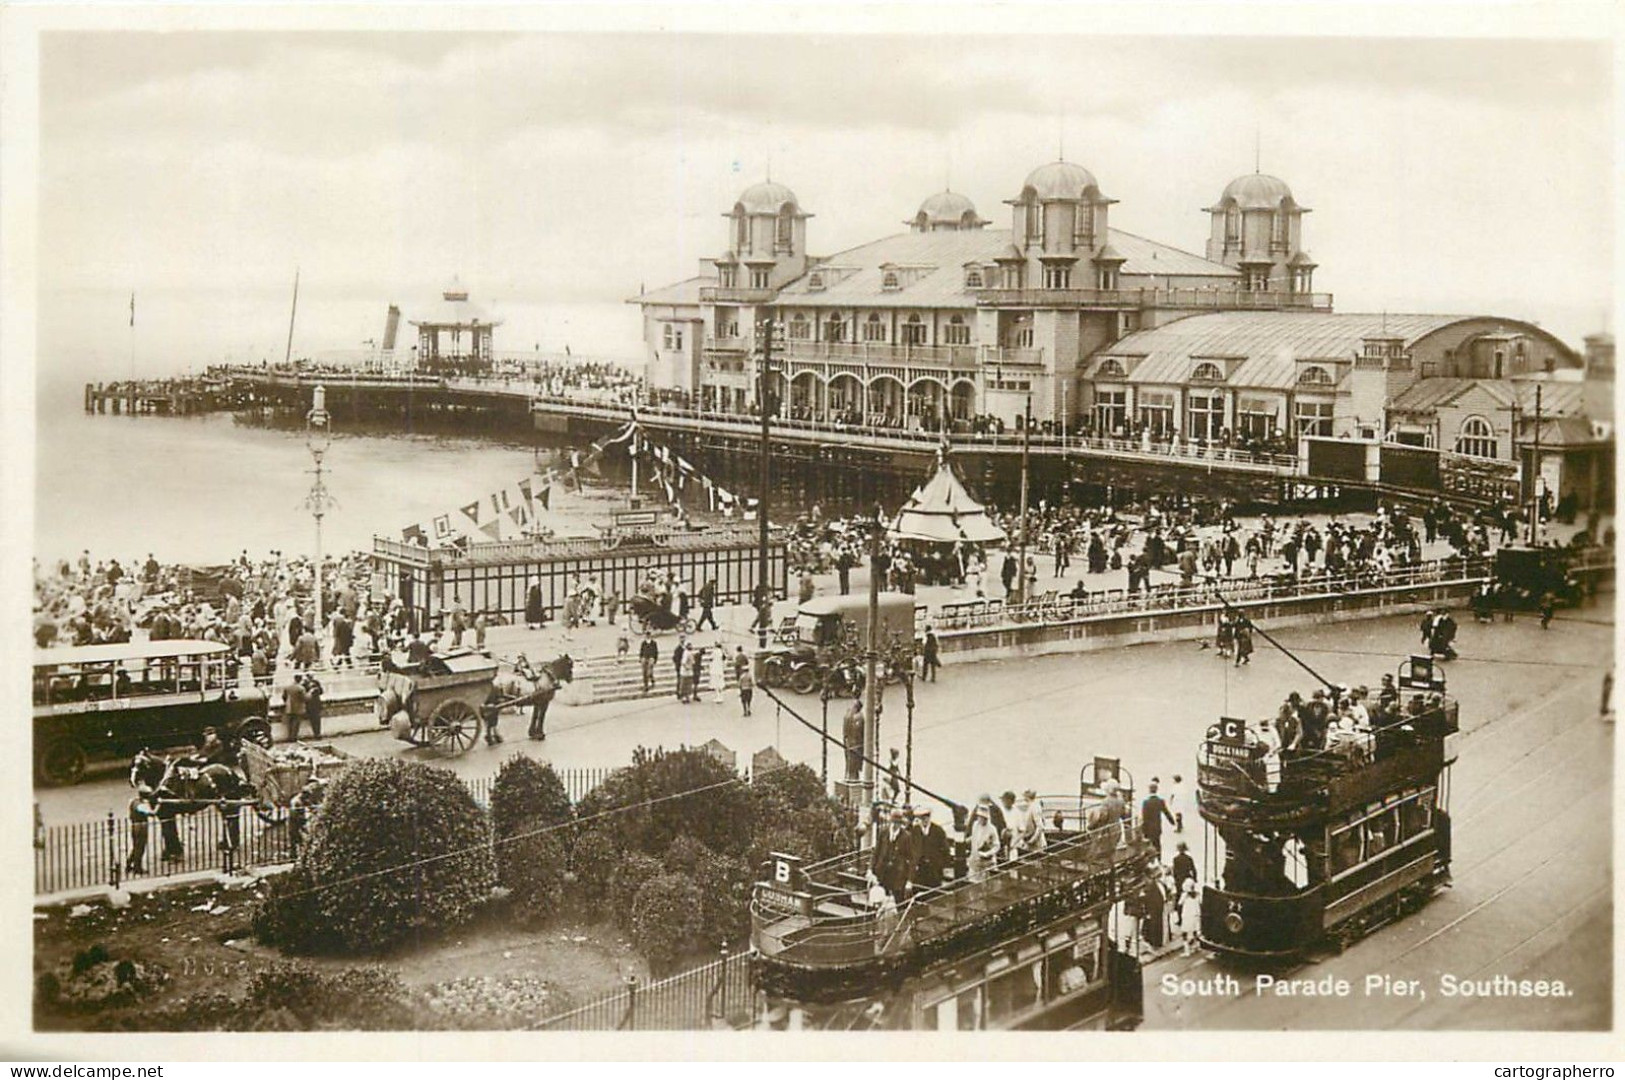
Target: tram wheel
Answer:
[[454, 727], [61, 763]]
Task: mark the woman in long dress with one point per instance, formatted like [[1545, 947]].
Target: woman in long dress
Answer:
[[714, 658]]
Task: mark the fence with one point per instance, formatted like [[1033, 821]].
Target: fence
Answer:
[[91, 854], [983, 614], [719, 993]]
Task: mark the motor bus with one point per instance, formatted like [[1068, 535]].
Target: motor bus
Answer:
[[98, 702], [1308, 850], [1042, 942]]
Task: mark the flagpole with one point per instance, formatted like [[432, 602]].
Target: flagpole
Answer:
[[132, 346]]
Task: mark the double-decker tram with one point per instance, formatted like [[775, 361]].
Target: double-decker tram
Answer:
[[1311, 847], [1039, 940]]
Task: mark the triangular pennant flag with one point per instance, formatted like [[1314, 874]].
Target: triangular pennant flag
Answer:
[[493, 529], [414, 534], [472, 512]]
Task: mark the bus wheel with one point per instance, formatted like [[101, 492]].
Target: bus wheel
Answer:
[[61, 763], [257, 730]]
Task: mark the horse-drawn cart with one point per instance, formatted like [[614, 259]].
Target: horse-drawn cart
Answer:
[[438, 702], [280, 773]]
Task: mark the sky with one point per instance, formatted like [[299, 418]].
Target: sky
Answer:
[[556, 174]]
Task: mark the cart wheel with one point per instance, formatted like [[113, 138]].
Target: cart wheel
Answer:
[[60, 762], [454, 727], [804, 679], [257, 730], [685, 626], [773, 673]]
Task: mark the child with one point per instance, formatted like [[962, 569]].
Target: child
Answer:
[[1190, 916]]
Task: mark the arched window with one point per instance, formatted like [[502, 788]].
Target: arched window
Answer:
[[741, 229], [786, 225], [914, 331], [973, 278], [1206, 372], [799, 329], [815, 281], [874, 327], [956, 332], [834, 329], [1232, 225], [888, 281], [1110, 369], [1314, 375], [1477, 438]]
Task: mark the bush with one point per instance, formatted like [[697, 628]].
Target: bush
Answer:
[[725, 887], [526, 791], [284, 915], [593, 860], [718, 817], [629, 876], [685, 855], [666, 919], [531, 866], [399, 849]]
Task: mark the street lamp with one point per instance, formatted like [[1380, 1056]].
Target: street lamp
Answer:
[[318, 437]]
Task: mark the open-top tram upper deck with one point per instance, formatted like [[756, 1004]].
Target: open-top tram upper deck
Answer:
[[1323, 840]]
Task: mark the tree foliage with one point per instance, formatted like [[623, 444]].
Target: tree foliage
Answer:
[[400, 849], [527, 791], [657, 798]]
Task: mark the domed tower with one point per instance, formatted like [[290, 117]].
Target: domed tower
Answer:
[[767, 239], [1058, 227], [1258, 229], [946, 211]]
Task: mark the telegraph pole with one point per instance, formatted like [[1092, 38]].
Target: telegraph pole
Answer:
[[1534, 475], [1026, 444], [871, 714], [767, 329]]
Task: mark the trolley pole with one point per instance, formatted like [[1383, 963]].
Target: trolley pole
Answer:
[[764, 402]]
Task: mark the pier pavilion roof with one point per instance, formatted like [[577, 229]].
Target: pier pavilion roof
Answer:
[[945, 254]]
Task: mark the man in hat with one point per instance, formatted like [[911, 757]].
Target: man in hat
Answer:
[[1316, 717], [895, 855], [1152, 812], [293, 706], [852, 736], [935, 854]]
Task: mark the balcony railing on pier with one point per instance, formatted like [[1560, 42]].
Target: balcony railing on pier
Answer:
[[1217, 299]]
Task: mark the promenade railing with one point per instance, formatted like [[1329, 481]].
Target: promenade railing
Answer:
[[1161, 599], [92, 854]]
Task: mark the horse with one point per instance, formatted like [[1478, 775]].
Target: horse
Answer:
[[530, 686], [168, 788]]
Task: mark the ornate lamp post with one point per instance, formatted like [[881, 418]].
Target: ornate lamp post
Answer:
[[318, 437]]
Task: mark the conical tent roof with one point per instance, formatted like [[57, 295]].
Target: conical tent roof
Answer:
[[942, 512]]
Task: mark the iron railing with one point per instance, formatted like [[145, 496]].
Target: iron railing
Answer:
[[92, 854], [720, 993]]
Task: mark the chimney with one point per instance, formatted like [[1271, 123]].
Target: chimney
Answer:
[[392, 325]]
